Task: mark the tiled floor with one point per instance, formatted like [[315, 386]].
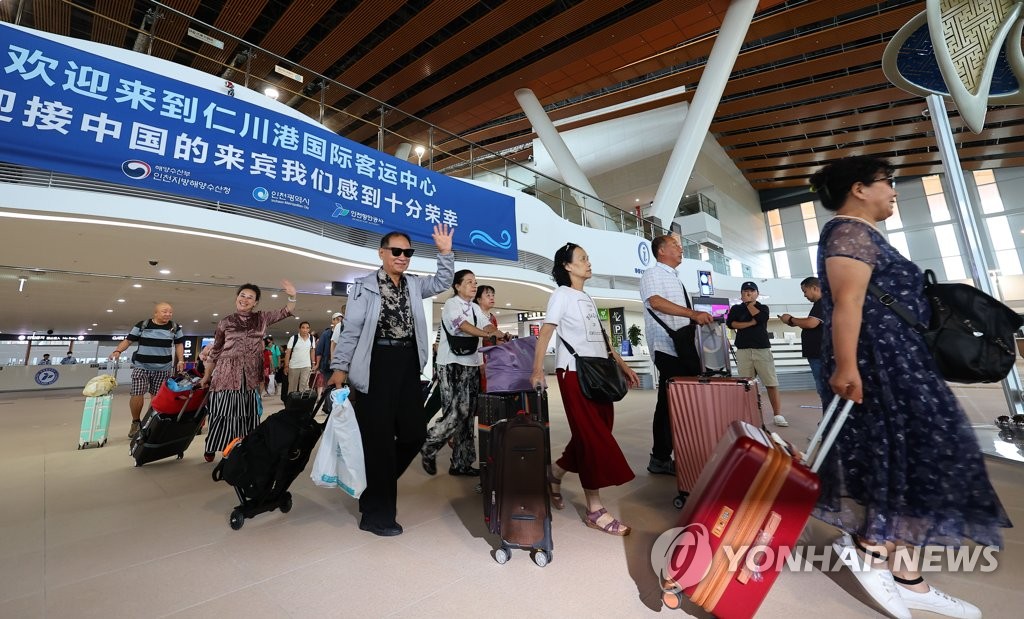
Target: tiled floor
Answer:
[[84, 534]]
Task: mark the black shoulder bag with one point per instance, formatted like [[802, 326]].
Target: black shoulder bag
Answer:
[[683, 338], [971, 334], [462, 345], [600, 378]]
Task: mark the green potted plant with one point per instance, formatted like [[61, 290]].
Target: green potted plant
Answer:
[[633, 335]]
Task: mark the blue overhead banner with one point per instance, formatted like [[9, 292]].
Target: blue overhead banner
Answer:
[[68, 110]]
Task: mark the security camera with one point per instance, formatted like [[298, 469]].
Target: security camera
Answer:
[[153, 263]]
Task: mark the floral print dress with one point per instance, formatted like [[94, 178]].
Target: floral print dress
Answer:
[[907, 466]]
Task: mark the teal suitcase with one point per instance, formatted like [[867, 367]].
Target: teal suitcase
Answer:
[[95, 421]]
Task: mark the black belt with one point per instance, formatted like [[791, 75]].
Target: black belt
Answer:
[[403, 343]]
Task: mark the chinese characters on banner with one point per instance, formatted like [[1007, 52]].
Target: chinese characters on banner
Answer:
[[65, 109]]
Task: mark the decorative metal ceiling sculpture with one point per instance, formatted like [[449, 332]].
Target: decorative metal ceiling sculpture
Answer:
[[966, 50]]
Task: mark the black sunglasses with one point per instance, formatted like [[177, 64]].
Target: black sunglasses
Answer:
[[398, 251], [889, 180]]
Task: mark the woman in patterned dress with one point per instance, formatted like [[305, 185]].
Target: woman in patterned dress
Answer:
[[906, 470], [234, 367]]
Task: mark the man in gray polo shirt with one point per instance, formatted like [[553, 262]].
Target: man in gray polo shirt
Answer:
[[160, 340]]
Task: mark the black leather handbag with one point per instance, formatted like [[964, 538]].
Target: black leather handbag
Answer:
[[461, 345], [600, 378], [971, 334]]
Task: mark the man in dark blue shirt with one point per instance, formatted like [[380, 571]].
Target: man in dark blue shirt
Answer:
[[810, 339]]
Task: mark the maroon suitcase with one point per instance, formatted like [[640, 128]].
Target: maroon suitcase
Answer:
[[751, 503], [515, 462], [700, 410]]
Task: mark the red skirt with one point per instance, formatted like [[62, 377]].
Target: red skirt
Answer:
[[592, 451]]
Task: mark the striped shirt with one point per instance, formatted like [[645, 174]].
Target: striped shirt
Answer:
[[156, 344]]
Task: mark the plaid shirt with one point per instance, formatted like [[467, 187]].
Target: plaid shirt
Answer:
[[663, 281]]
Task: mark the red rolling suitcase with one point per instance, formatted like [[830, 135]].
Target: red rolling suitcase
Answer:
[[751, 503], [700, 411]]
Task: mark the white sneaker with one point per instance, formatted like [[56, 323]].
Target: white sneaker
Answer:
[[938, 602], [780, 421], [877, 582]]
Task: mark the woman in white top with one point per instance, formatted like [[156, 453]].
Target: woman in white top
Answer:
[[592, 451], [459, 380]]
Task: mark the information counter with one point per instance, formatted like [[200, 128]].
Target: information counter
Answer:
[[39, 377]]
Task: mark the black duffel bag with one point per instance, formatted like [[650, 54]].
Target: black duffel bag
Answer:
[[971, 335]]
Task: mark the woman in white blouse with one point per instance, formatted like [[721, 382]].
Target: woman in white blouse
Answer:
[[592, 451], [459, 380]]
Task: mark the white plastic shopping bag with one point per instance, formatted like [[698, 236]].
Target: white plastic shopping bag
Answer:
[[339, 461], [271, 384]]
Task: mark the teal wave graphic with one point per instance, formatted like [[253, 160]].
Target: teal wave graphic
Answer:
[[479, 237]]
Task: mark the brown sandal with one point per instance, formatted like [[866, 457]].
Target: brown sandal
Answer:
[[612, 528], [556, 497]]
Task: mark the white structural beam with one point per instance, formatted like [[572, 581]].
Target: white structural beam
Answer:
[[702, 109], [562, 157]]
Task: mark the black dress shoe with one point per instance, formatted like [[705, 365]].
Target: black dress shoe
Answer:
[[430, 465], [464, 472], [390, 530]]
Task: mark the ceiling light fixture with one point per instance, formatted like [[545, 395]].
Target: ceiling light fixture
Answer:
[[136, 285], [21, 282], [110, 311], [271, 92], [165, 271], [120, 300]]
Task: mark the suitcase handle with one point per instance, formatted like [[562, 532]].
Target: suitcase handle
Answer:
[[817, 450]]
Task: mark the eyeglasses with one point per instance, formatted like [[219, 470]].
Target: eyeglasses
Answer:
[[398, 251], [888, 179]]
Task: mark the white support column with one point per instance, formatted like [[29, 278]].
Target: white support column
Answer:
[[969, 227], [567, 165], [702, 109]]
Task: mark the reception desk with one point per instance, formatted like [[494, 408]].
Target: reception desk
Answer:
[[644, 368], [41, 377]]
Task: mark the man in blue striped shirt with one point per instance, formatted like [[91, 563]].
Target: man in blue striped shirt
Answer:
[[160, 341]]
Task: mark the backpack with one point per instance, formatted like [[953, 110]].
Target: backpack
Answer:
[[264, 463], [145, 324], [970, 335], [295, 338], [323, 349]]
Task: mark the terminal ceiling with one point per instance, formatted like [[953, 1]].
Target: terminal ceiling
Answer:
[[807, 85]]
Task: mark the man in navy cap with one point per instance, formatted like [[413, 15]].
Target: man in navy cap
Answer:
[[753, 346]]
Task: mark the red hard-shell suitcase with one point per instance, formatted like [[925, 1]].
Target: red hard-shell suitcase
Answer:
[[751, 503], [700, 410]]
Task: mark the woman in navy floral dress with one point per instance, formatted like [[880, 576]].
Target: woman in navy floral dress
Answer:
[[906, 470]]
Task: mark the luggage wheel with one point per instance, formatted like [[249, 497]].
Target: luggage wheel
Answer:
[[237, 519], [541, 557], [680, 500], [502, 555], [672, 599], [286, 503]]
